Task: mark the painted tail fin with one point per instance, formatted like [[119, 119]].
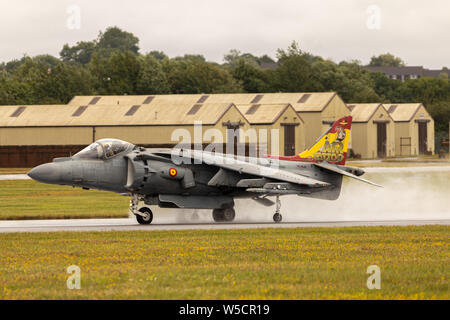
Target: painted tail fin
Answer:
[[330, 147]]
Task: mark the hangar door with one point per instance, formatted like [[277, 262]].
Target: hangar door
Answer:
[[422, 137], [232, 143], [381, 139], [289, 139]]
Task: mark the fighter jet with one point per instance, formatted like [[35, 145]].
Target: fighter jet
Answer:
[[197, 179]]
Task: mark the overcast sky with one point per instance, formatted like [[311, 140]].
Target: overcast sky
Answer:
[[417, 31]]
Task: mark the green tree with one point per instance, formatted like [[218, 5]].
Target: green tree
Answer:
[[79, 53], [36, 74], [234, 56], [65, 81], [158, 55], [200, 77], [151, 78], [426, 90], [47, 60], [265, 58], [13, 92], [356, 85], [252, 78], [294, 72], [10, 67], [386, 87], [440, 111], [115, 38], [386, 60], [44, 80], [191, 58], [326, 75], [115, 75]]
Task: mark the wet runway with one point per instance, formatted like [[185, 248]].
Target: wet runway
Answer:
[[14, 177], [130, 224]]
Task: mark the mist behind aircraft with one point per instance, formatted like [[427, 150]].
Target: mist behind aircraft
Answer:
[[408, 193]]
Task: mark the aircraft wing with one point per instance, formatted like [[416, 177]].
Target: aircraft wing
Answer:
[[333, 168], [241, 166]]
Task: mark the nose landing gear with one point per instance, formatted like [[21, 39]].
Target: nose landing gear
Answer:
[[144, 215], [277, 217]]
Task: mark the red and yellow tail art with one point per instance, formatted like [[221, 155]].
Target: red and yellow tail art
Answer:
[[330, 147]]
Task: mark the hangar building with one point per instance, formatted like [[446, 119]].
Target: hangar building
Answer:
[[373, 131], [317, 109], [30, 135], [282, 117], [414, 129]]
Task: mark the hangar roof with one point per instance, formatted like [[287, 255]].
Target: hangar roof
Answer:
[[135, 99], [151, 114], [363, 112], [301, 101], [170, 109], [264, 113], [402, 111], [32, 115]]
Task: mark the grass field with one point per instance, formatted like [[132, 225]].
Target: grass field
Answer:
[[317, 263], [27, 199], [14, 170]]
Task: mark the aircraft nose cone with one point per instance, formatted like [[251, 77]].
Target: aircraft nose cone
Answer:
[[47, 173]]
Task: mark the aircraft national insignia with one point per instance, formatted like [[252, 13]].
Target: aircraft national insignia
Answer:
[[173, 172]]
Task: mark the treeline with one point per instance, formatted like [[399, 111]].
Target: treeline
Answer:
[[113, 65]]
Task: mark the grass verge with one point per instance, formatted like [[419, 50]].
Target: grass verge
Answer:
[[316, 263], [14, 170], [27, 199]]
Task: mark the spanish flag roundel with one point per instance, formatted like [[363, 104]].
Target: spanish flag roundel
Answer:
[[173, 172]]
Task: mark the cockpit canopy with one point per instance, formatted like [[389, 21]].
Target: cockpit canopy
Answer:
[[104, 149]]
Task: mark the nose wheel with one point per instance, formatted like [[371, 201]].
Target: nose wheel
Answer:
[[144, 215], [277, 217]]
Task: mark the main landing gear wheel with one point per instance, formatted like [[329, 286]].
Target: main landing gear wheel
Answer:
[[224, 215], [145, 216], [277, 217]]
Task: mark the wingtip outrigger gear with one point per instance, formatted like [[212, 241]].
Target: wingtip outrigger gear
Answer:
[[277, 217]]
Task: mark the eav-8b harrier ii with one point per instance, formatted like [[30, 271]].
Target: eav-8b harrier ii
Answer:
[[183, 178]]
